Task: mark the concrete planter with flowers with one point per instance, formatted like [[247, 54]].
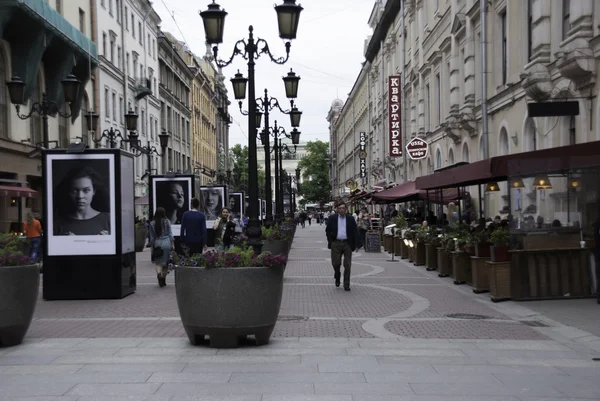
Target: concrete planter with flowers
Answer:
[[19, 288], [228, 296]]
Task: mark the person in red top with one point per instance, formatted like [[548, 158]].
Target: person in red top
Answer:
[[33, 231]]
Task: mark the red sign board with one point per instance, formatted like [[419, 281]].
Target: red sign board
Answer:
[[417, 148], [395, 116]]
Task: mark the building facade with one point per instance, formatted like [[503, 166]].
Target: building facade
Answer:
[[127, 33], [41, 43], [536, 50], [175, 97]]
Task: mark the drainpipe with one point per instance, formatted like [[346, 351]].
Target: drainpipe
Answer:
[[402, 98], [94, 76], [484, 110], [370, 139]]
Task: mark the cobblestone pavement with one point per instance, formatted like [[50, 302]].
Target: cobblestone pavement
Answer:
[[402, 333]]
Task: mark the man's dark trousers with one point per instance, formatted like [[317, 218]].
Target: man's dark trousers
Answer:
[[339, 249]]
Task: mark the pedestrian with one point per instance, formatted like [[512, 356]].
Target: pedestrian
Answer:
[[342, 239], [224, 230], [162, 242], [33, 231], [193, 228]]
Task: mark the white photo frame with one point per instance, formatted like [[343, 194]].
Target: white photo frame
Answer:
[[176, 204], [213, 202]]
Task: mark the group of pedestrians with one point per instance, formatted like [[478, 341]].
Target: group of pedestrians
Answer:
[[193, 235]]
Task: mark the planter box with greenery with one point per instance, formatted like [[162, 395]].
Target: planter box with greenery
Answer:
[[229, 295], [276, 241], [19, 288], [461, 267], [499, 276], [499, 250], [480, 274]]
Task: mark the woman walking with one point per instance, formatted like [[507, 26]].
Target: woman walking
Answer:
[[162, 242], [224, 230]]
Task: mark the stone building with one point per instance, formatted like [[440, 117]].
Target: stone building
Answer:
[[175, 90], [536, 50], [41, 43]]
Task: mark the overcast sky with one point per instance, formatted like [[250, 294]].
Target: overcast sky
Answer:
[[327, 53]]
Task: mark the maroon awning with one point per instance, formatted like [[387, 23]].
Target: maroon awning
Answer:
[[404, 192], [7, 190], [479, 172]]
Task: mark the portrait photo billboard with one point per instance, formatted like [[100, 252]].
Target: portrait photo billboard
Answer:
[[213, 200], [174, 195]]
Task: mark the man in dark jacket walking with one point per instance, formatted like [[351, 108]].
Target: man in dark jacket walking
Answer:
[[193, 228], [342, 239]]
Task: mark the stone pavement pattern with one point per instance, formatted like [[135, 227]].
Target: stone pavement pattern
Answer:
[[395, 336]]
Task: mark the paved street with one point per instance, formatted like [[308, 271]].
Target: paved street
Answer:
[[402, 333]]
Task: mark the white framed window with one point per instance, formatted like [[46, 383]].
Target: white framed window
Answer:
[[106, 102]]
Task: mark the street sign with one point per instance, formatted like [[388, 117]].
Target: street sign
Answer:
[[417, 149]]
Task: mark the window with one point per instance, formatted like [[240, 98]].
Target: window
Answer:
[[114, 106], [126, 20], [119, 59], [133, 25], [504, 48], [102, 3], [118, 7], [529, 30], [153, 48], [566, 23], [127, 66], [438, 159], [135, 67], [427, 108], [438, 107], [59, 6], [436, 5], [104, 53], [140, 33], [106, 103], [4, 102], [144, 122], [112, 50], [121, 111], [110, 7], [82, 21], [148, 46]]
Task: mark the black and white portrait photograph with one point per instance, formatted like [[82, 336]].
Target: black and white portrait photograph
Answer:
[[174, 195], [264, 208], [260, 209], [82, 205], [214, 201], [236, 204]]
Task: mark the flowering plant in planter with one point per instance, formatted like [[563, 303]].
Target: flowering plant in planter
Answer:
[[273, 234], [234, 257], [12, 252]]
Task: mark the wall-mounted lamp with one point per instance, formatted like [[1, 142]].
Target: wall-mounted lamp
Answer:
[[574, 182], [517, 183], [542, 182], [492, 187]]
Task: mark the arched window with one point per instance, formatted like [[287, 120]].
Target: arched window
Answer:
[[503, 142], [4, 98], [450, 157], [530, 136], [465, 153], [438, 159]]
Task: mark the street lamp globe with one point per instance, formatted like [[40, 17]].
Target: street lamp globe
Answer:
[[288, 16], [214, 23], [163, 137], [295, 116], [131, 119], [291, 85], [91, 118], [239, 86], [295, 136], [71, 88], [134, 142], [258, 115], [16, 90]]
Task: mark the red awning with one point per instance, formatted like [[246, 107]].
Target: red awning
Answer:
[[479, 172], [7, 190], [142, 200]]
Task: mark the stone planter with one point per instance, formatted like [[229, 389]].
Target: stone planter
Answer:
[[430, 257], [19, 288], [228, 304], [140, 238], [499, 254], [461, 267], [419, 254], [480, 274], [444, 262], [499, 275]]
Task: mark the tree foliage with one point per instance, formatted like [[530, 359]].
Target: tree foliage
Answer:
[[239, 171], [315, 187]]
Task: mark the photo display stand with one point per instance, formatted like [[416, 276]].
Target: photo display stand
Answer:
[[174, 193], [89, 224]]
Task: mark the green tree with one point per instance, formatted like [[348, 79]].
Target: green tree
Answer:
[[239, 171], [315, 187]]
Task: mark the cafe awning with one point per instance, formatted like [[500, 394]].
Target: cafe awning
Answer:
[[404, 192], [463, 175], [7, 190]]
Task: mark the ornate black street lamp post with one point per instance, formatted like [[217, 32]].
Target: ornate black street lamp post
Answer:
[[288, 16], [148, 150], [264, 106], [111, 134], [278, 132], [45, 108]]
